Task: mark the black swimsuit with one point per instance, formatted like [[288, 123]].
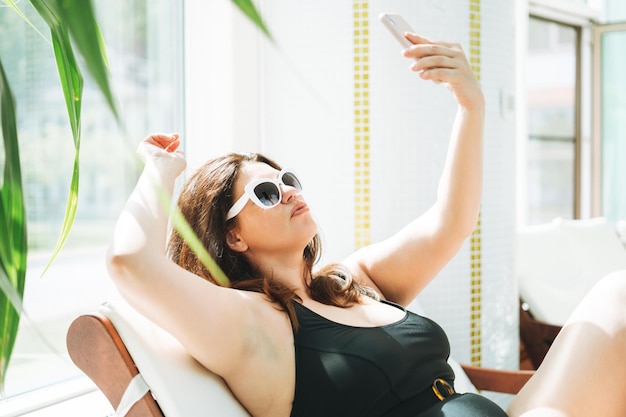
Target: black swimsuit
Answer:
[[384, 371]]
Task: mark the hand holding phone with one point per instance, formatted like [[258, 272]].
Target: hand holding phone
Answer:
[[397, 26]]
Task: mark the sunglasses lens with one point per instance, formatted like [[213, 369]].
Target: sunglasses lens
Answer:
[[267, 193], [290, 179]]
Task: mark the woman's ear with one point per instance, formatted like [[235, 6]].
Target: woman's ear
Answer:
[[235, 242]]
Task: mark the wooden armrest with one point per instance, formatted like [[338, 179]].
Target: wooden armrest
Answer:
[[98, 350], [498, 380]]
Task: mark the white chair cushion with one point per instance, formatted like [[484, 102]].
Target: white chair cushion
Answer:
[[181, 386], [462, 383], [621, 231], [558, 263]]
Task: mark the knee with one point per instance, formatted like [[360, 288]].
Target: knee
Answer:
[[613, 286], [605, 303], [609, 300]]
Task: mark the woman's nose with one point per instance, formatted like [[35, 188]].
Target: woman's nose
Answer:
[[288, 192]]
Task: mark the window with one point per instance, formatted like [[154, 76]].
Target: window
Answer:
[[552, 120], [610, 122], [144, 44]]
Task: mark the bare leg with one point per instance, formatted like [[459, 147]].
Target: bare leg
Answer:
[[584, 373]]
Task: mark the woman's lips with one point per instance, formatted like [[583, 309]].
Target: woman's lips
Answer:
[[299, 208]]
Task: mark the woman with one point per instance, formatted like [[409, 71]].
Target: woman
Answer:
[[290, 342]]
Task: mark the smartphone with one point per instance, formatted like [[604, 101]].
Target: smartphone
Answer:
[[397, 26]]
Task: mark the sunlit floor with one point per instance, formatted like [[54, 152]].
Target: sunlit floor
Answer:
[[77, 397], [91, 404]]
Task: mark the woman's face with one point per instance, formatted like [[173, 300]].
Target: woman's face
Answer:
[[286, 227]]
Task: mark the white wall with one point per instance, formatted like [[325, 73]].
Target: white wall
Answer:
[[305, 119]]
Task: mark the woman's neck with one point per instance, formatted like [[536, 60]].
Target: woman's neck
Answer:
[[289, 271]]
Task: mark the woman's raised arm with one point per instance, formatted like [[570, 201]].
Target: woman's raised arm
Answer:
[[401, 266], [195, 311], [142, 227]]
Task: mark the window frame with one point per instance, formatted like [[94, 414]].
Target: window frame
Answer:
[[596, 163], [582, 17]]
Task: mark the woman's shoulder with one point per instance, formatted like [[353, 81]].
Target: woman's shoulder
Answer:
[[265, 314]]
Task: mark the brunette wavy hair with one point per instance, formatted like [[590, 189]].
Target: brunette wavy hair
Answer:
[[204, 201]]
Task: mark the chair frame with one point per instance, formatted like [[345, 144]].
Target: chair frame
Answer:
[[96, 347], [536, 336]]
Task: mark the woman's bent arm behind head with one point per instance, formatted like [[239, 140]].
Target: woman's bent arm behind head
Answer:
[[141, 230], [191, 308]]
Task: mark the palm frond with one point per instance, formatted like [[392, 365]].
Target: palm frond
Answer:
[[12, 230], [248, 9]]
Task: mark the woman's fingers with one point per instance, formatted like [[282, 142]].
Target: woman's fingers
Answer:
[[439, 75], [158, 142], [163, 151], [420, 40], [163, 140], [420, 51], [446, 67], [444, 62], [436, 61], [430, 55], [173, 145], [417, 39]]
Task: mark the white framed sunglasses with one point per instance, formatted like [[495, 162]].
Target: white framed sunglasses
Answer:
[[264, 192]]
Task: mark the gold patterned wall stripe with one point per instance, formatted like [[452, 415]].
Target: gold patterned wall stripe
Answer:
[[475, 296], [362, 234], [475, 240]]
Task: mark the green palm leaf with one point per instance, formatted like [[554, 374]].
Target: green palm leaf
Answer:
[[79, 18], [12, 230], [75, 18], [72, 84], [248, 9]]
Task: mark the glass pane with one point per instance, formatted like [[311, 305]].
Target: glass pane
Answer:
[[551, 75], [614, 11], [613, 126], [143, 40]]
